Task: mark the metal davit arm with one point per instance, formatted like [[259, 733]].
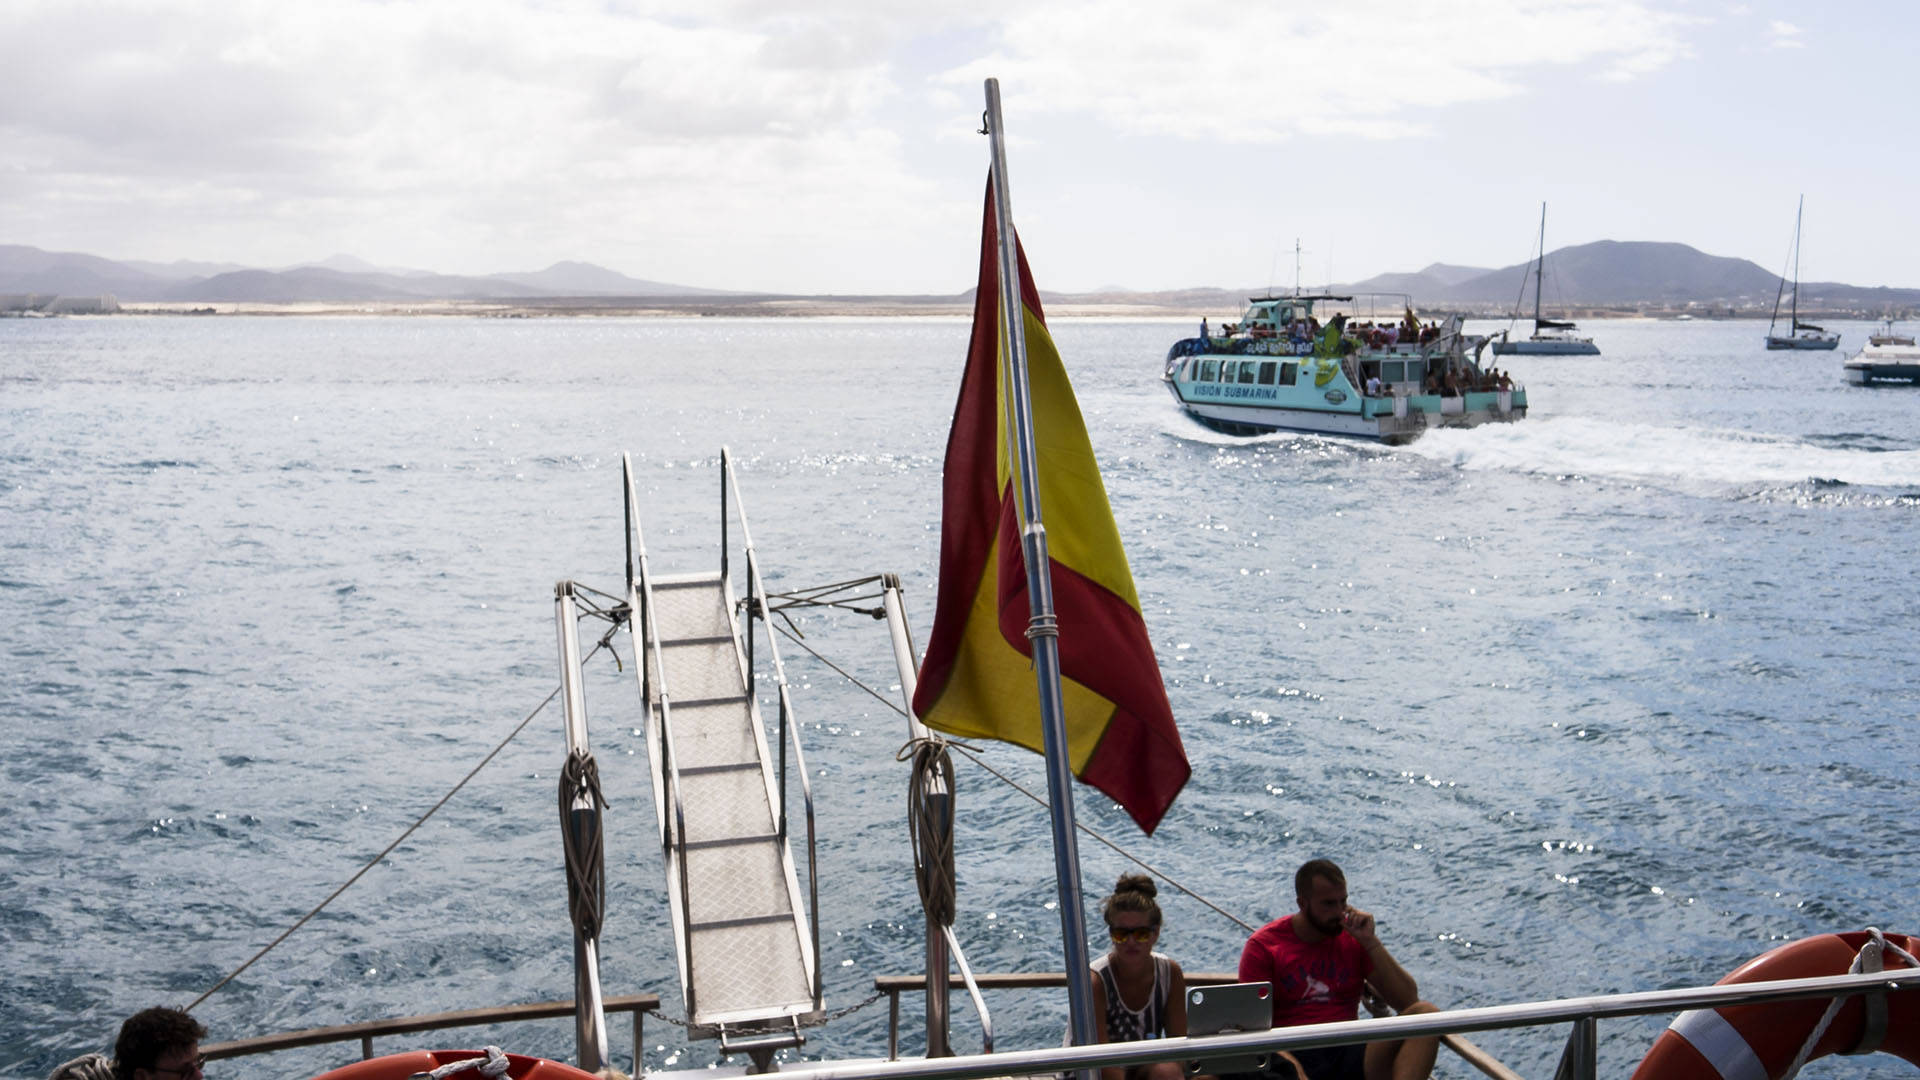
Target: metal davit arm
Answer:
[[581, 838], [933, 792]]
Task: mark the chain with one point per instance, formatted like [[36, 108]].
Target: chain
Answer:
[[851, 1009]]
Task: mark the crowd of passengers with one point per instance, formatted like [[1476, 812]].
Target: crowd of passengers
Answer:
[[1452, 382], [1408, 331]]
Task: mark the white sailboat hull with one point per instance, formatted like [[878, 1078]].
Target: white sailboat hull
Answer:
[[1803, 341], [1547, 347]]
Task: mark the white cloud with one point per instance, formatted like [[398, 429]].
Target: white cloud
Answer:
[[1784, 35], [741, 143], [1222, 70]]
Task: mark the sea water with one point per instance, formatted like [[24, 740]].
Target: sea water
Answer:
[[1608, 700]]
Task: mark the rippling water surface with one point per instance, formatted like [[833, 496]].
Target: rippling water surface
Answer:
[[1607, 700]]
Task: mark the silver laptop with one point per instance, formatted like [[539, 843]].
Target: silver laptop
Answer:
[[1223, 1010]]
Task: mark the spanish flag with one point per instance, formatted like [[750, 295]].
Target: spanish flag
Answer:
[[977, 677]]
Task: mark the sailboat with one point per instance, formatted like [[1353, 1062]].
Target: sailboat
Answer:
[[1799, 335], [1550, 337]]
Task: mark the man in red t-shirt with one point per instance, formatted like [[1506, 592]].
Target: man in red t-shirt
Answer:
[[1319, 959]]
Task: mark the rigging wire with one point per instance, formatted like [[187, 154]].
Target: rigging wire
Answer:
[[974, 756], [375, 861]]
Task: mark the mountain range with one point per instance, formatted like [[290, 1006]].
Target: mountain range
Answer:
[[1606, 273], [26, 269]]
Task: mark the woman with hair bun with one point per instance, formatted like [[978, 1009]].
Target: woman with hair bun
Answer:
[[1137, 993]]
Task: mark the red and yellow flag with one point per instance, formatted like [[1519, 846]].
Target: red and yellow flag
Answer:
[[977, 678]]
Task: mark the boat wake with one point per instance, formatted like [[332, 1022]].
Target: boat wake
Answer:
[[1690, 459], [1184, 430]]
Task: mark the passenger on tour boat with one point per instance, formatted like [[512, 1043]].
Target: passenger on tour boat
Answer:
[[1373, 385], [155, 1044], [1137, 993], [1320, 959]]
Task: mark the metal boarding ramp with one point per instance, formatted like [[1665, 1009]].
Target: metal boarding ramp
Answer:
[[748, 951]]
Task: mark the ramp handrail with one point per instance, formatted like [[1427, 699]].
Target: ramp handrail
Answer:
[[641, 603], [789, 731]]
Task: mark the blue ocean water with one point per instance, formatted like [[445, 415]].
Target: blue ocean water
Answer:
[[1608, 700]]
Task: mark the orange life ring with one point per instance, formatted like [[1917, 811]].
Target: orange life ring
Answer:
[[1759, 1042], [401, 1066]]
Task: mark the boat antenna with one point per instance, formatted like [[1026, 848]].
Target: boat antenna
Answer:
[[1042, 627], [1296, 266]]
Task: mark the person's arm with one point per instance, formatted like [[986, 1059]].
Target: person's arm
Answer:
[[1395, 985], [1256, 963], [1176, 1001]]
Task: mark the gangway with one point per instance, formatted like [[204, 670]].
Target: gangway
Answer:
[[748, 950]]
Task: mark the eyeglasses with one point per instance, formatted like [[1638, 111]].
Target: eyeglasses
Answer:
[[1132, 933], [196, 1067]]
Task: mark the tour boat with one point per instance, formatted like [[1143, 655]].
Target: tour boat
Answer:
[[1278, 369], [1888, 358]]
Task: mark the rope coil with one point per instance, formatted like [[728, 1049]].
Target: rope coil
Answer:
[[930, 830], [586, 867], [493, 1065]]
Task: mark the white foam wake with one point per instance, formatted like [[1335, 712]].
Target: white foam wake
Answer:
[[1586, 447]]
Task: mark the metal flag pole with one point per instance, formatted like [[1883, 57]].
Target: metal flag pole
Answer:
[[1042, 629]]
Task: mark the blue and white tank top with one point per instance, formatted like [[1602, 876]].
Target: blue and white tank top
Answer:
[[1126, 1024]]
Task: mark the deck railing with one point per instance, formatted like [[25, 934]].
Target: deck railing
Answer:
[[637, 1004], [1577, 1063]]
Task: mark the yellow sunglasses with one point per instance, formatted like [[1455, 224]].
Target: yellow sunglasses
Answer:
[[1132, 933]]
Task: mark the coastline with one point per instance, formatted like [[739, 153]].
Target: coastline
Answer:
[[788, 307]]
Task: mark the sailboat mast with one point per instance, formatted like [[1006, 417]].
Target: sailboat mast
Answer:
[[1797, 214], [1540, 269]]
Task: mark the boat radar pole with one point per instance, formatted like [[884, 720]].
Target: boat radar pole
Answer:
[[1042, 628]]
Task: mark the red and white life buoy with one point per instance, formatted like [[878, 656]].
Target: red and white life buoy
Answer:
[[1760, 1042], [402, 1066]]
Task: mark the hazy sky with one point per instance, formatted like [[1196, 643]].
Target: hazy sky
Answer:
[[830, 146]]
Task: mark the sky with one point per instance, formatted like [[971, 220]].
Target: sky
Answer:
[[832, 146]]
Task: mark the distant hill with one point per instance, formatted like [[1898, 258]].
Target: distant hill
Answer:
[[319, 283], [586, 279], [1607, 273], [181, 269], [1623, 273], [1626, 272], [30, 270], [339, 278]]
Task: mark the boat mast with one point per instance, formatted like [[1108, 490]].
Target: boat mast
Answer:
[[1042, 626], [1795, 328], [1540, 269]]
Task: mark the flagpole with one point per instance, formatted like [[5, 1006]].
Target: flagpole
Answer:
[[1042, 629]]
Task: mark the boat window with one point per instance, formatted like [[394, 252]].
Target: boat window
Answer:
[[1266, 372], [1288, 373], [1227, 368], [1209, 369], [1247, 368], [1393, 372]]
